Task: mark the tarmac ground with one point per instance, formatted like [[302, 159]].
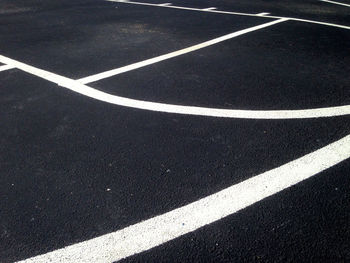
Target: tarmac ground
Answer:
[[190, 131]]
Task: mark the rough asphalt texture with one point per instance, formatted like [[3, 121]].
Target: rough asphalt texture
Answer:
[[73, 168]]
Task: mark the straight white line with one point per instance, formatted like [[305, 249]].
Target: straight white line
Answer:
[[181, 7], [177, 109], [235, 13], [165, 4], [263, 14], [6, 67], [336, 3], [209, 8], [150, 61], [166, 227]]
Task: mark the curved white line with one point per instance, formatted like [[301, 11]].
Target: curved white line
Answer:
[[168, 226], [171, 108]]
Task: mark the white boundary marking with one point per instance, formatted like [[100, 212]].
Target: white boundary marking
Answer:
[[263, 14], [163, 228], [150, 61], [336, 3], [165, 4], [209, 8], [171, 108], [234, 13], [113, 72], [6, 67]]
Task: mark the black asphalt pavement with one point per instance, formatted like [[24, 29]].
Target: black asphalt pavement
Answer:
[[73, 168]]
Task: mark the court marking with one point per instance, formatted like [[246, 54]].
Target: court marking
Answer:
[[165, 4], [232, 13], [336, 3], [163, 228], [263, 14], [83, 89], [6, 67], [209, 8], [113, 72]]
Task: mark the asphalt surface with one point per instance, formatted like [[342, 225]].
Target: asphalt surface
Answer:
[[74, 168]]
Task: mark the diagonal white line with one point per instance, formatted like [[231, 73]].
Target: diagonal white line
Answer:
[[262, 14], [234, 13], [171, 108], [163, 228], [6, 67], [150, 61], [209, 8], [336, 3], [165, 4]]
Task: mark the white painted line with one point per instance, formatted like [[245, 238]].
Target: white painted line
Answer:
[[209, 8], [336, 3], [177, 109], [155, 231], [236, 13], [150, 61], [263, 14], [316, 22], [163, 228], [5, 67], [165, 4]]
